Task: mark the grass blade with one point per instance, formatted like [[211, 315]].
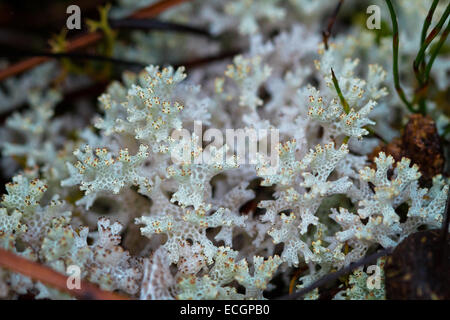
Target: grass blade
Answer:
[[395, 43], [339, 92]]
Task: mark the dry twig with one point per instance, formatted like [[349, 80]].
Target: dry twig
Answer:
[[48, 276], [326, 34], [87, 39]]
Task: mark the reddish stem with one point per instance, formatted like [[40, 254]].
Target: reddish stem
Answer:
[[87, 39], [48, 276]]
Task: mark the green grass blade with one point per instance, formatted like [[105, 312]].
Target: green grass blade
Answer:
[[435, 52], [339, 92], [395, 41], [433, 33]]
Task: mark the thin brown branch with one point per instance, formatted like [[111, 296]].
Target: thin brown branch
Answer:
[[326, 34], [445, 226], [48, 276], [156, 9], [205, 60], [21, 67], [336, 275], [155, 24], [73, 56], [86, 40]]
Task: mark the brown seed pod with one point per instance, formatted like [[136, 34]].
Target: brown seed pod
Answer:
[[421, 143]]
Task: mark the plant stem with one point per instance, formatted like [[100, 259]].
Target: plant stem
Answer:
[[395, 40], [339, 92], [155, 24], [327, 33], [87, 38], [48, 276], [445, 226], [74, 56], [421, 75], [336, 275], [427, 21], [433, 33], [435, 52], [425, 27]]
